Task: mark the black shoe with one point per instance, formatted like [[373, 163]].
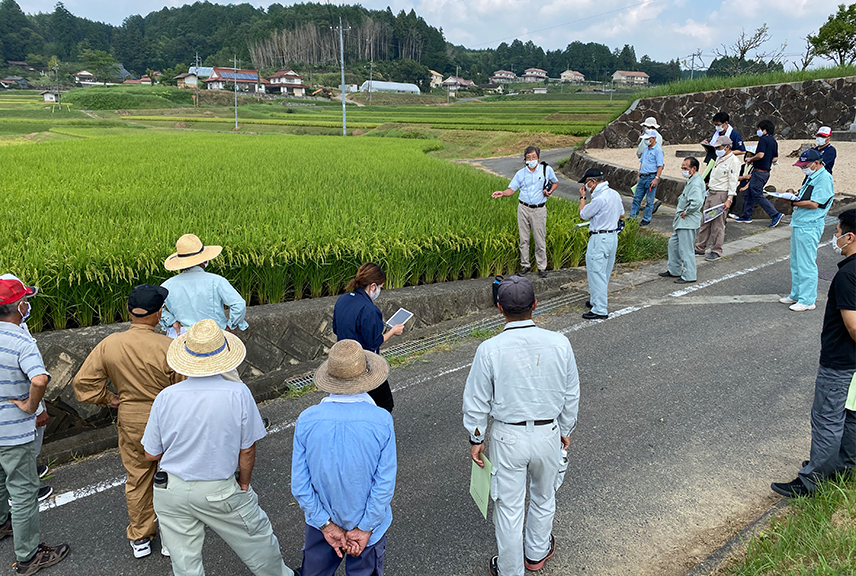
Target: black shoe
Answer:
[[588, 304], [805, 463], [45, 493], [699, 252], [593, 316], [534, 565], [524, 271], [42, 470], [542, 273], [6, 527], [792, 489], [682, 281], [656, 207], [266, 422], [45, 556], [668, 274], [644, 222], [712, 256], [492, 567]]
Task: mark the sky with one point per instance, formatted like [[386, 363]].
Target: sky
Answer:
[[663, 29]]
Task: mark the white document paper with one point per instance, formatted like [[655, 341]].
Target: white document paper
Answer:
[[581, 225], [400, 317], [714, 212], [784, 195]]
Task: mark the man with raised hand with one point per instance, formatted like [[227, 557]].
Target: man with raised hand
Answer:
[[135, 362], [650, 169], [25, 380], [526, 379], [833, 426], [345, 492]]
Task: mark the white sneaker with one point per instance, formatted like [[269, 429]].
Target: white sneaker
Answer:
[[787, 300], [141, 547], [801, 307], [164, 551], [733, 215]]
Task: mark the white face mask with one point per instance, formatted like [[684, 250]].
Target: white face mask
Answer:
[[720, 153], [807, 171], [759, 133], [685, 173], [838, 249], [820, 140], [719, 128], [374, 293], [25, 315], [532, 163]]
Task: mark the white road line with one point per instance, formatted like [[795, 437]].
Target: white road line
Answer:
[[74, 495]]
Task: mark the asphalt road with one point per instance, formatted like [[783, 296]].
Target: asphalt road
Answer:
[[692, 403]]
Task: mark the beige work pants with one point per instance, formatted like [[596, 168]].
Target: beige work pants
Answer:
[[534, 221], [141, 472], [713, 231]]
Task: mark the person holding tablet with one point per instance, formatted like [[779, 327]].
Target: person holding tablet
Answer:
[[356, 317]]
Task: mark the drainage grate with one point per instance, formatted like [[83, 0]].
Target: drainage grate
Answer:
[[455, 334]]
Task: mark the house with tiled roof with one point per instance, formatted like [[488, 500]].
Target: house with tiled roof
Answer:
[[627, 77], [534, 75], [247, 80], [286, 83], [572, 76]]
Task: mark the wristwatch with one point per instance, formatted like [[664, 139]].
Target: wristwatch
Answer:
[[325, 524], [476, 443]]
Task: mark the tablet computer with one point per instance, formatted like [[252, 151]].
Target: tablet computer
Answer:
[[400, 317]]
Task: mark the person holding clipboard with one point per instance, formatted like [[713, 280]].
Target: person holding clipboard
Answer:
[[356, 317]]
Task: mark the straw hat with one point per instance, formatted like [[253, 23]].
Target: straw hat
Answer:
[[350, 370], [189, 251], [205, 350]]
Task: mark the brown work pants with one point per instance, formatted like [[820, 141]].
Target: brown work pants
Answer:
[[139, 486], [713, 231], [533, 220]]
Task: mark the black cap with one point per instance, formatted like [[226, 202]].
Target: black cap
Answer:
[[515, 294], [146, 299], [592, 173]]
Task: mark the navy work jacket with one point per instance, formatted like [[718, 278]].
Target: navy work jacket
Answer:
[[356, 317]]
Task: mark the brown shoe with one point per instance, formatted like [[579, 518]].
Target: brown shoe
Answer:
[[45, 556], [6, 527]]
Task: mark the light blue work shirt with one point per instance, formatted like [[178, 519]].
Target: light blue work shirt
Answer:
[[531, 184], [200, 425], [195, 295], [651, 159], [524, 373], [818, 188], [690, 201], [343, 465], [604, 210], [643, 144], [20, 362]]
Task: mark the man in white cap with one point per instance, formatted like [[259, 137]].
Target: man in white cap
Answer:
[[195, 294], [827, 150], [650, 123], [25, 380], [650, 169], [135, 362], [525, 379], [345, 493], [200, 430]]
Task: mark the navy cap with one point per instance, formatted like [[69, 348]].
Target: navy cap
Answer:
[[146, 299], [809, 156], [591, 173], [515, 294]]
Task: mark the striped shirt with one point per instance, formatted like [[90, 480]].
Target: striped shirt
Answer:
[[20, 362]]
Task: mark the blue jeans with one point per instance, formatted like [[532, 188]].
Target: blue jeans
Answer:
[[755, 195], [319, 558], [641, 192]]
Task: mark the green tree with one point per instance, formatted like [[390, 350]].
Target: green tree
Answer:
[[100, 63], [836, 40]]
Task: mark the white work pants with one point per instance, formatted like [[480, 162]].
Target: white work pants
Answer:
[[518, 452]]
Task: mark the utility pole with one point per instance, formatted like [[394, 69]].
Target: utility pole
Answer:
[[56, 77], [371, 73], [342, 68], [197, 79], [235, 80]]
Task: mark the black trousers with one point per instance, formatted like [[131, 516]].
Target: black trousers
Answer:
[[382, 395]]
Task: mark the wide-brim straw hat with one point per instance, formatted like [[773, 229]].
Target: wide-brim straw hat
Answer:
[[205, 350], [189, 251], [351, 370]]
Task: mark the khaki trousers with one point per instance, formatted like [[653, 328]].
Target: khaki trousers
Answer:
[[141, 472], [713, 231], [532, 220]]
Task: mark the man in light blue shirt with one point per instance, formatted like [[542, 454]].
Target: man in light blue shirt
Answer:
[[343, 466], [605, 211], [536, 184], [526, 379], [650, 169], [195, 294], [806, 229]]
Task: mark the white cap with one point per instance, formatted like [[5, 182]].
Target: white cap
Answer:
[[650, 121], [649, 134], [824, 131]]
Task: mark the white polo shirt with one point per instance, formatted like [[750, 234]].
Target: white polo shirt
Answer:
[[200, 425]]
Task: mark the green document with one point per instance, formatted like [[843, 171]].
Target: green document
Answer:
[[633, 188], [851, 395], [480, 484]]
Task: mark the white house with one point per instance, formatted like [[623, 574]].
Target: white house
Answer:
[[503, 77], [286, 82], [84, 77], [455, 82], [51, 96], [247, 80], [436, 79], [572, 76], [534, 75], [396, 87], [625, 77], [187, 80]]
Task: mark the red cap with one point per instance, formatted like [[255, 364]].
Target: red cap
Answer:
[[13, 290]]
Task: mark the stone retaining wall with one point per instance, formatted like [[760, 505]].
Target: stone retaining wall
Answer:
[[797, 109]]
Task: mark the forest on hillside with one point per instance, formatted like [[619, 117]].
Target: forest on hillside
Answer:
[[302, 36]]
